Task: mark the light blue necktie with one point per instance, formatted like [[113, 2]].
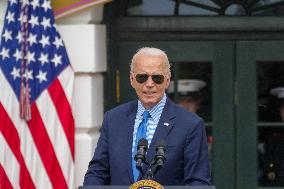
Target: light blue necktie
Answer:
[[141, 133]]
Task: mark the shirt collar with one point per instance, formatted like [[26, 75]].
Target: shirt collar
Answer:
[[155, 111]]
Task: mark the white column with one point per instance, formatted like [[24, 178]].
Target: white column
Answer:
[[85, 40], [3, 7]]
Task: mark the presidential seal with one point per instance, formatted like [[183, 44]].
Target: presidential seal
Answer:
[[146, 184]]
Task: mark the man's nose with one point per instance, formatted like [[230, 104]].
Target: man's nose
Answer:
[[149, 82]]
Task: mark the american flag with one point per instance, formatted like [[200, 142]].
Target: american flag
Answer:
[[36, 85]]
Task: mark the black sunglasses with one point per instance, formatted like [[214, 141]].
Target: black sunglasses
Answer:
[[142, 78]]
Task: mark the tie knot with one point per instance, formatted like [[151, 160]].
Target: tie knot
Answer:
[[146, 115]]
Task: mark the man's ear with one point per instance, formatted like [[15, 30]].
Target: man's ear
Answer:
[[131, 78], [168, 80]]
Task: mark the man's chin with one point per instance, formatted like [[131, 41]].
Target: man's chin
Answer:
[[149, 103]]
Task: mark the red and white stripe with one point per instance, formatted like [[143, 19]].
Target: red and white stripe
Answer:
[[38, 153]]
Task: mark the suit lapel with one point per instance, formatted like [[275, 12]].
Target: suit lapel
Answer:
[[129, 127], [165, 125]]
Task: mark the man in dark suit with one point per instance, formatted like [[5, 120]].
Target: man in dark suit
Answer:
[[187, 161]]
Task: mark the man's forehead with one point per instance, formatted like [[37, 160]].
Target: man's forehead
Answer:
[[150, 69], [150, 62]]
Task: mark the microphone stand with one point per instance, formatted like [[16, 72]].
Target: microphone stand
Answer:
[[149, 174], [156, 163], [152, 169]]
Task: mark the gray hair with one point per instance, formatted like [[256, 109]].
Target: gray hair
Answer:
[[151, 51]]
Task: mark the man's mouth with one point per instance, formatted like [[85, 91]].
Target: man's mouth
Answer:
[[149, 93]]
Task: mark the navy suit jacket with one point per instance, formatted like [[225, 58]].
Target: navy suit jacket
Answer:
[[187, 161]]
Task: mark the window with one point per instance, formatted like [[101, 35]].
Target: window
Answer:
[[204, 7]]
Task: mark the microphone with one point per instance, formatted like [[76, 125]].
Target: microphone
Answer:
[[140, 155], [160, 157]]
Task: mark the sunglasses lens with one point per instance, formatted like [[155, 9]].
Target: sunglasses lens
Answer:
[[158, 79], [141, 78]]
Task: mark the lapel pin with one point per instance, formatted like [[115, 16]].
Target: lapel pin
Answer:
[[167, 124]]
